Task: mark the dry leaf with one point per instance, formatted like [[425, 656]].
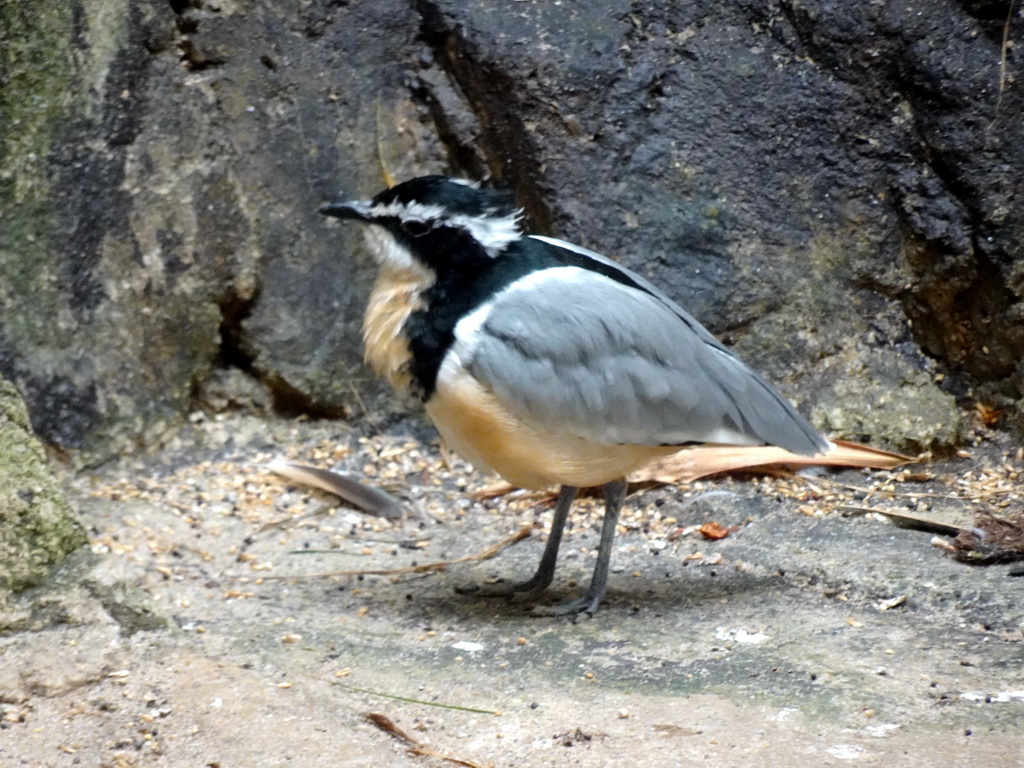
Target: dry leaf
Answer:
[[414, 746], [714, 531], [492, 491], [987, 413], [991, 540]]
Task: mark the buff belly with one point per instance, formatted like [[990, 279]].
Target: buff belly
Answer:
[[477, 426]]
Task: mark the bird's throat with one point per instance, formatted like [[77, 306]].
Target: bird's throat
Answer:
[[397, 293]]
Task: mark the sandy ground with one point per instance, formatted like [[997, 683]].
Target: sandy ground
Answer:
[[211, 625]]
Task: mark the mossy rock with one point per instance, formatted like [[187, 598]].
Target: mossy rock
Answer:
[[875, 397], [37, 527]]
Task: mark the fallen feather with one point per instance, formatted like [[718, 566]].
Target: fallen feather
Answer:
[[371, 500]]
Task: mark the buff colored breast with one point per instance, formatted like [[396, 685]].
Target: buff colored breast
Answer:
[[395, 295]]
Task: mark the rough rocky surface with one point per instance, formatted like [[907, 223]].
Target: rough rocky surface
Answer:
[[833, 187], [830, 185], [62, 608], [805, 637], [37, 527]]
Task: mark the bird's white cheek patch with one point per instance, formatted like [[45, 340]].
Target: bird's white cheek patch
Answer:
[[389, 252]]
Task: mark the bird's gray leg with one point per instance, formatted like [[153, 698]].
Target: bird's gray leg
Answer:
[[540, 580], [614, 496]]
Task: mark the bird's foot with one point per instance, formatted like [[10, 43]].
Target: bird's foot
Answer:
[[520, 590], [585, 606], [525, 591]]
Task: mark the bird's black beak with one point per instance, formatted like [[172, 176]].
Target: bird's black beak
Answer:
[[358, 210]]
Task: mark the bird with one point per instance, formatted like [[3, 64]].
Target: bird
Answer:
[[545, 362]]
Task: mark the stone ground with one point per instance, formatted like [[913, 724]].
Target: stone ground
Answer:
[[812, 635]]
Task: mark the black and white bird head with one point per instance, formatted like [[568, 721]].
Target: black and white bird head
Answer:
[[419, 222]]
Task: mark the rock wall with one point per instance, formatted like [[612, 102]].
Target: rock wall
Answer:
[[830, 186]]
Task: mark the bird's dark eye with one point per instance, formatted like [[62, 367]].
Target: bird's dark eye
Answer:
[[417, 228]]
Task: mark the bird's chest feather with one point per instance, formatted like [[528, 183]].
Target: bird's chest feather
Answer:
[[396, 295]]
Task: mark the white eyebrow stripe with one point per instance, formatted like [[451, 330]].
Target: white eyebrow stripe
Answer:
[[493, 233], [407, 211]]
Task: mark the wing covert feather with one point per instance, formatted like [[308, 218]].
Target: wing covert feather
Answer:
[[578, 351]]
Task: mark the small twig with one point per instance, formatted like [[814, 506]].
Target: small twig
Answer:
[[413, 545], [327, 552], [440, 565], [1002, 58], [288, 522], [904, 520], [415, 747], [362, 405], [409, 700], [389, 179]]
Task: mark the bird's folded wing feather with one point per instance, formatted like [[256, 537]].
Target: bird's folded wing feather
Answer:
[[578, 351]]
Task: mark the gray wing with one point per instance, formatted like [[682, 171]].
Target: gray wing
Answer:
[[578, 351]]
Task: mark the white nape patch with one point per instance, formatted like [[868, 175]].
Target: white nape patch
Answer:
[[493, 233], [466, 183]]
